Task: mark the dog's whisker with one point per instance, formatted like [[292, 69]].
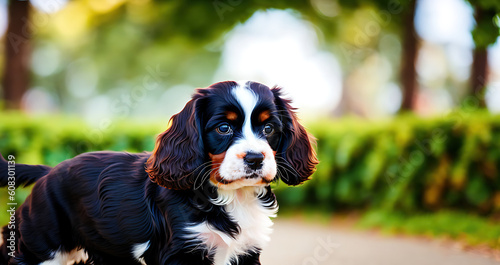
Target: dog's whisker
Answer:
[[287, 166], [284, 176], [199, 180]]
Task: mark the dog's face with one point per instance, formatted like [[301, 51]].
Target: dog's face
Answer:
[[233, 135], [242, 135]]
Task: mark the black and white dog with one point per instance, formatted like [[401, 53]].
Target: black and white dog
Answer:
[[201, 197]]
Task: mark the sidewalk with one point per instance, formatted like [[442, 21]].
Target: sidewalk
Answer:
[[300, 243]]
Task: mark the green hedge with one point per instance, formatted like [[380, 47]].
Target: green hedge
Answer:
[[50, 140], [406, 164]]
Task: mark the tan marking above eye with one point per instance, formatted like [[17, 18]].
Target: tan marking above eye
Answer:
[[231, 115], [264, 115]]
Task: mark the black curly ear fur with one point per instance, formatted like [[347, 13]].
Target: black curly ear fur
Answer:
[[296, 151], [178, 151]]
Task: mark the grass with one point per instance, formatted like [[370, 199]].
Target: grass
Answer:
[[470, 229]]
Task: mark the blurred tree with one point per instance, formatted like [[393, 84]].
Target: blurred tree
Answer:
[[485, 33], [118, 44], [17, 54], [408, 76], [178, 37], [182, 38], [397, 17]]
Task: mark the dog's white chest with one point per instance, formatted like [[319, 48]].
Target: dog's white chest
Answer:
[[247, 211]]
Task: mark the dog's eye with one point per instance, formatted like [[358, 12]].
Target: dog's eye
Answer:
[[224, 129], [268, 129]]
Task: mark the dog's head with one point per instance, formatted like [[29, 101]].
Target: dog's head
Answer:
[[233, 135]]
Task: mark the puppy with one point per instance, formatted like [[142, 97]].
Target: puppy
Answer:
[[201, 197]]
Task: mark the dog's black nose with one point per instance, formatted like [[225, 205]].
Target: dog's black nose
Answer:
[[254, 160]]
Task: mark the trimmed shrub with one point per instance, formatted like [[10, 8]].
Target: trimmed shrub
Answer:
[[406, 164]]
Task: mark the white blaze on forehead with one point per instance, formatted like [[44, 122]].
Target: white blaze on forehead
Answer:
[[247, 100], [233, 166]]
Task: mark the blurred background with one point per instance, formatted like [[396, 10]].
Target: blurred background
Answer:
[[403, 95], [334, 57]]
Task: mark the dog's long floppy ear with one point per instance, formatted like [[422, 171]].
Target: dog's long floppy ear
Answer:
[[296, 150], [179, 150]]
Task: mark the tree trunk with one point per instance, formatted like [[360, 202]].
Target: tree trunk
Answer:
[[479, 71], [409, 59], [479, 74], [17, 54]]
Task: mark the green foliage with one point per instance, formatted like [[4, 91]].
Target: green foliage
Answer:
[[464, 227], [111, 46], [487, 29], [406, 164], [105, 51], [50, 140]]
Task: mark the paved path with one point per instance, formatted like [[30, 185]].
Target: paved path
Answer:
[[304, 243]]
